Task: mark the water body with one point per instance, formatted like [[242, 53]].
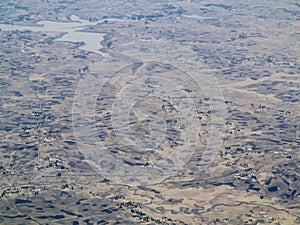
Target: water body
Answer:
[[197, 17], [73, 30]]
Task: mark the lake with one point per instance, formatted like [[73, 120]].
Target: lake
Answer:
[[73, 30]]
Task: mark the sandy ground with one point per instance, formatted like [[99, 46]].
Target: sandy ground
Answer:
[[252, 49]]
